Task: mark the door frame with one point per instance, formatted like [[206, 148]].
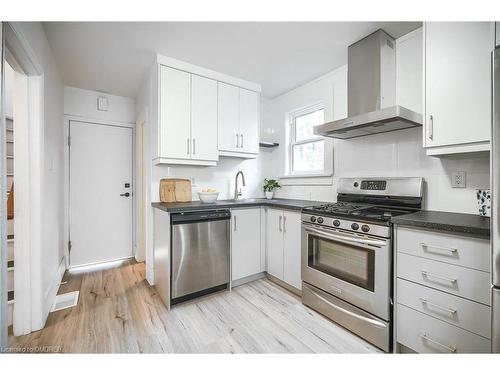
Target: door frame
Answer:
[[29, 310], [142, 187], [67, 203]]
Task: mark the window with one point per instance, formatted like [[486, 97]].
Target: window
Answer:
[[307, 151]]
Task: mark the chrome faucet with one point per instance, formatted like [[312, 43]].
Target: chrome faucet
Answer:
[[237, 192]]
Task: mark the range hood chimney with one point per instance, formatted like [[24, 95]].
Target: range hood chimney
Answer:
[[371, 90]]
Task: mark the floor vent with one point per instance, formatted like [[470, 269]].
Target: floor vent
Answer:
[[66, 300]]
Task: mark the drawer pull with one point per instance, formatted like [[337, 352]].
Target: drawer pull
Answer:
[[433, 276], [450, 249], [448, 310], [451, 349]]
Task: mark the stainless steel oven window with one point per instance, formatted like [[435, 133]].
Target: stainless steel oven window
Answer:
[[351, 263]]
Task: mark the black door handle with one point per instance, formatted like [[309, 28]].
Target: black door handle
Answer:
[[125, 195]]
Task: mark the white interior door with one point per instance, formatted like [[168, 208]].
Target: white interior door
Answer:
[[100, 211]]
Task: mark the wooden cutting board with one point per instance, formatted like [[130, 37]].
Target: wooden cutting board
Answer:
[[175, 190]]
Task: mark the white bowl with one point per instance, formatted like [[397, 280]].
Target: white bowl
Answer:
[[208, 197]]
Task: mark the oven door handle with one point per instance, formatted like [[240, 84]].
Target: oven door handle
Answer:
[[347, 312], [345, 239]]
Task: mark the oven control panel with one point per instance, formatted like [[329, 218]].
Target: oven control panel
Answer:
[[373, 185]]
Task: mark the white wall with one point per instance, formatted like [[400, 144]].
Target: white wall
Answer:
[[83, 103], [52, 247], [398, 153]]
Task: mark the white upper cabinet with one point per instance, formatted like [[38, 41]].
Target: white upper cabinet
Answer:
[[497, 27], [229, 103], [175, 114], [249, 121], [238, 121], [204, 119], [201, 114], [188, 118], [457, 86]]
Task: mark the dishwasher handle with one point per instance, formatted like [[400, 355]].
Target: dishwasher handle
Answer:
[[199, 216]]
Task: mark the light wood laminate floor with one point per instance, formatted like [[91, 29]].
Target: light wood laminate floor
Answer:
[[118, 312]]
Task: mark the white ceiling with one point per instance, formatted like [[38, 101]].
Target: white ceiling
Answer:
[[114, 57]]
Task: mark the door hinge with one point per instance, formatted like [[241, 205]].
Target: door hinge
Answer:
[[69, 246], [69, 140]]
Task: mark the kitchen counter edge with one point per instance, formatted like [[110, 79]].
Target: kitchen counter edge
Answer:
[[458, 223], [288, 204]]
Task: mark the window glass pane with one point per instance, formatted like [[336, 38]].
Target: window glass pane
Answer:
[[308, 157], [304, 124]]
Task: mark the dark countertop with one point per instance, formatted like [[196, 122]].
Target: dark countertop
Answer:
[[473, 225], [289, 204]]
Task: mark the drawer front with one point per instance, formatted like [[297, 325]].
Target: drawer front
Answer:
[[425, 334], [459, 250], [463, 282], [471, 316]]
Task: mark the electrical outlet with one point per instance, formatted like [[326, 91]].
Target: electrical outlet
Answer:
[[458, 179]]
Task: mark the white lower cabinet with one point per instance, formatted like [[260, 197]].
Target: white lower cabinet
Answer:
[[425, 334], [442, 292], [245, 243], [283, 243], [291, 249], [274, 243]]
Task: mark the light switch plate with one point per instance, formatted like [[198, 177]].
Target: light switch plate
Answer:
[[458, 179]]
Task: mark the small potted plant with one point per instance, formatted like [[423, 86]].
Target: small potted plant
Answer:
[[270, 187]]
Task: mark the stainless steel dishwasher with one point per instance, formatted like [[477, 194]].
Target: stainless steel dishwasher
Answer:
[[200, 253]]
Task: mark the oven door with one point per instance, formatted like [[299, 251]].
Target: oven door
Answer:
[[353, 267]]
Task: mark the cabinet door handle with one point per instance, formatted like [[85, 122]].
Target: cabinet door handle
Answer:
[[281, 228], [433, 276], [284, 223], [431, 127], [448, 310], [450, 249], [194, 146], [241, 135], [237, 140], [187, 146], [425, 336], [234, 221]]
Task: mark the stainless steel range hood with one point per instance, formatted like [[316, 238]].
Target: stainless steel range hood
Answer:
[[371, 89]]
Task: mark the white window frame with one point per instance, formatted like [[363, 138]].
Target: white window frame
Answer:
[[292, 116]]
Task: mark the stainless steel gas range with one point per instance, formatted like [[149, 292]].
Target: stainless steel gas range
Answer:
[[347, 253]]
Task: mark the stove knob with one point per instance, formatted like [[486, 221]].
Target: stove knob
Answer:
[[365, 228], [320, 220], [313, 218], [355, 184], [336, 223], [354, 226]]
